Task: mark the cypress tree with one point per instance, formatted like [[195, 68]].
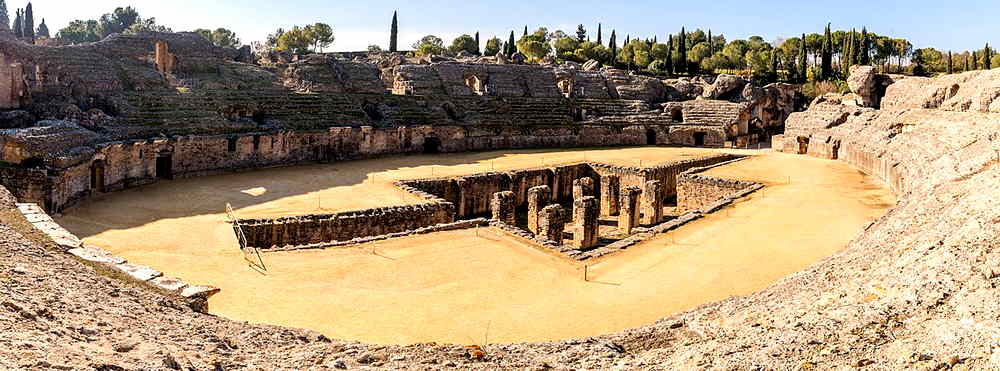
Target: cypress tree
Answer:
[[682, 52], [670, 54], [581, 33], [18, 26], [654, 40], [393, 34], [29, 24], [4, 16], [477, 44], [826, 69], [600, 40], [511, 45], [975, 62], [773, 66], [43, 30], [847, 57], [987, 64], [613, 47], [803, 61], [951, 67], [866, 47], [711, 45], [525, 30], [967, 64]]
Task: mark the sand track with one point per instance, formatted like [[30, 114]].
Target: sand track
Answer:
[[450, 287]]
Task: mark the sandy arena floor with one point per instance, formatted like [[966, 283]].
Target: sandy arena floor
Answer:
[[455, 287]]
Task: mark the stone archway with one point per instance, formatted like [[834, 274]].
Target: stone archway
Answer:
[[97, 176], [476, 83]]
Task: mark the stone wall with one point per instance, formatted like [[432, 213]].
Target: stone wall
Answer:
[[696, 191], [27, 185], [344, 226]]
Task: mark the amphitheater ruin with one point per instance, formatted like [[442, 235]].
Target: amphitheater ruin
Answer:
[[167, 203]]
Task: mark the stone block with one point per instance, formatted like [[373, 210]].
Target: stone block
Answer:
[[585, 223], [610, 186], [652, 202], [138, 272], [628, 217], [538, 198], [551, 224], [583, 187], [169, 284], [502, 207], [96, 255]]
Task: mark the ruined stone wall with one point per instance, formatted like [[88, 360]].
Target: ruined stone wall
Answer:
[[667, 174], [696, 191], [27, 185], [345, 226]]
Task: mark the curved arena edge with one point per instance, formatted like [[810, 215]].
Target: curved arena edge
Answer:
[[917, 287]]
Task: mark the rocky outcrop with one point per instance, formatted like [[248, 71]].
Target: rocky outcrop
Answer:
[[725, 87], [862, 82], [974, 91]]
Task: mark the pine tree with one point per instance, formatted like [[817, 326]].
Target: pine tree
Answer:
[[394, 34], [29, 24], [4, 16], [581, 33], [826, 69], [600, 41], [478, 52], [803, 60], [670, 55], [43, 30], [18, 26], [682, 52]]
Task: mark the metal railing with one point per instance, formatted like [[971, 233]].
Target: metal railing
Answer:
[[248, 251]]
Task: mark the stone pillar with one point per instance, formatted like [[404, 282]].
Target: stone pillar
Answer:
[[652, 203], [538, 198], [502, 207], [551, 223], [628, 217], [609, 195], [585, 222], [583, 187]]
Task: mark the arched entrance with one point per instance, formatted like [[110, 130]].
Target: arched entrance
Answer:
[[699, 138], [650, 137], [432, 145], [97, 176]]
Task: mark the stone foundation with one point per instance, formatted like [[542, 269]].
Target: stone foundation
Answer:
[[652, 202], [538, 199], [609, 195], [628, 217], [502, 207], [585, 215]]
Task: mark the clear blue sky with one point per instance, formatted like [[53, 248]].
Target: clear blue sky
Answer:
[[954, 25]]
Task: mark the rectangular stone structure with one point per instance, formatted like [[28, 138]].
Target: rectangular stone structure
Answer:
[[585, 223], [610, 186], [502, 207], [583, 187], [551, 223], [538, 198], [628, 217], [652, 202]]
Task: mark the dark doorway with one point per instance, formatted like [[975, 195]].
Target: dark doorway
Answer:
[[677, 115], [650, 137], [699, 138], [97, 176], [432, 145], [165, 166]]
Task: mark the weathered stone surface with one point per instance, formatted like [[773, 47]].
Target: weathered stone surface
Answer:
[[610, 186], [168, 284], [725, 87], [583, 187], [862, 82], [591, 65], [538, 198], [502, 207], [138, 272], [628, 217], [551, 223], [652, 202], [585, 218], [97, 255]]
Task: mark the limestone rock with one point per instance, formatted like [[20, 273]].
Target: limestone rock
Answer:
[[862, 82], [97, 255], [501, 58], [169, 284], [725, 87], [138, 272], [591, 65], [199, 291]]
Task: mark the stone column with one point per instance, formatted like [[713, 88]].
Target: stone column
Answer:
[[538, 198], [585, 222], [502, 207], [609, 195], [628, 218], [551, 223], [583, 187], [652, 203]]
